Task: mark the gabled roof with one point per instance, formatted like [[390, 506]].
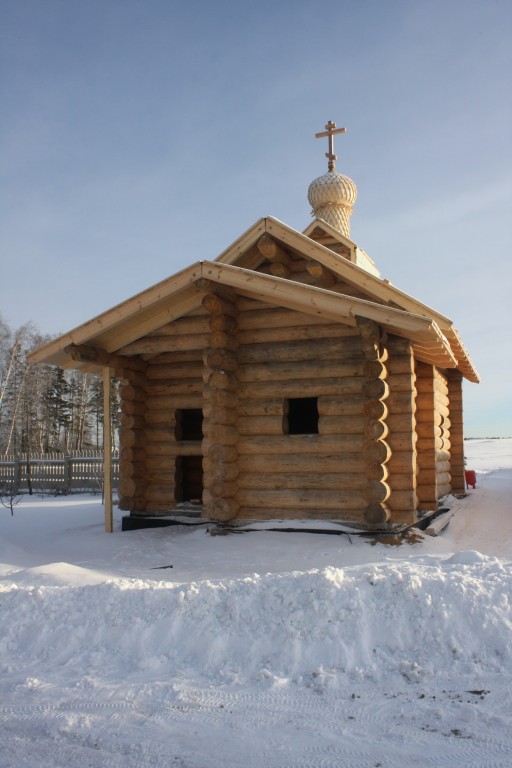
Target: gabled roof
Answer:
[[432, 334]]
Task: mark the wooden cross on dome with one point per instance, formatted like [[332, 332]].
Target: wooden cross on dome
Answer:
[[330, 131]]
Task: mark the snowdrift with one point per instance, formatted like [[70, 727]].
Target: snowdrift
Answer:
[[405, 619]]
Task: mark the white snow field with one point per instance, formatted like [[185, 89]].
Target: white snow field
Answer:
[[257, 650]]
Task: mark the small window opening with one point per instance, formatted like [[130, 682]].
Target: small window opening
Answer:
[[302, 416], [189, 424]]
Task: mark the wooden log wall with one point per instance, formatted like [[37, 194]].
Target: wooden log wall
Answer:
[[174, 383], [221, 437], [402, 438], [132, 442], [457, 431], [376, 452], [282, 355]]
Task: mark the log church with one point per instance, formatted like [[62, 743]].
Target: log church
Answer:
[[282, 380]]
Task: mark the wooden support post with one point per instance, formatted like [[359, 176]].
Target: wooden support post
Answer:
[[456, 432], [107, 451]]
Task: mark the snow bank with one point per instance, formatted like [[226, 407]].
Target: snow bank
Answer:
[[406, 619]]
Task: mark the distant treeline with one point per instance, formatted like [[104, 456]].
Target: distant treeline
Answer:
[[42, 407]]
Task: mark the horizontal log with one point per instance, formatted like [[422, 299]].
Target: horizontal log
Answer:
[[401, 482], [171, 403], [292, 463], [307, 480], [426, 493], [271, 407], [300, 444], [262, 425], [402, 461], [272, 317], [341, 425], [426, 429], [344, 406], [152, 345], [310, 369], [273, 334], [401, 402], [399, 365], [218, 414], [182, 326], [247, 513], [429, 417], [318, 349], [304, 388], [185, 387], [160, 433], [171, 450], [170, 372], [401, 441], [402, 382], [178, 357], [162, 497], [403, 500], [399, 346], [374, 369], [300, 498], [401, 422], [162, 418]]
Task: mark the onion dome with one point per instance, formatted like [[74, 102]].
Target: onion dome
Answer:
[[331, 197]]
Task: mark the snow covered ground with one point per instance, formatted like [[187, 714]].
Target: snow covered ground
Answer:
[[259, 650]]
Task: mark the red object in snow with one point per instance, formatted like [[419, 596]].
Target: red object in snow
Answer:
[[470, 478]]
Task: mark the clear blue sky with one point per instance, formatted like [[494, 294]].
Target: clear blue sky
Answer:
[[138, 136]]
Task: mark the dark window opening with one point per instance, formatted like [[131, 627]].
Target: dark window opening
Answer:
[[189, 479], [302, 416], [189, 424]]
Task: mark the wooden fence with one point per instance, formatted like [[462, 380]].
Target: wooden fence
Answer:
[[56, 473]]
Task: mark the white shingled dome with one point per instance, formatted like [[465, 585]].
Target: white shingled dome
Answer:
[[332, 196]]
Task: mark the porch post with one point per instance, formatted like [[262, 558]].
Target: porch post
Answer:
[[107, 450]]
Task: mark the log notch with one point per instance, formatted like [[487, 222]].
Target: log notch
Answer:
[[376, 451], [132, 441], [457, 432], [220, 451], [426, 445], [402, 439], [442, 432]]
